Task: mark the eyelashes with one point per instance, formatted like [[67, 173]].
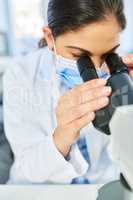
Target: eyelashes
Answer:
[[79, 55], [105, 55], [76, 56]]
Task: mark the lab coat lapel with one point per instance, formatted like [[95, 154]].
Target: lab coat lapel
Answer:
[[49, 81], [96, 141]]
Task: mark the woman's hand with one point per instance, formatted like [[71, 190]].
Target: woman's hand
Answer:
[[129, 61], [76, 108]]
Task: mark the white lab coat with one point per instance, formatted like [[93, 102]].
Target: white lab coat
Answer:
[[30, 122]]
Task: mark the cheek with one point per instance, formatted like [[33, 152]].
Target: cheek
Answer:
[[64, 52], [61, 50]]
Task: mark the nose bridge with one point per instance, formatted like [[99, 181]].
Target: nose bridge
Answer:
[[97, 60]]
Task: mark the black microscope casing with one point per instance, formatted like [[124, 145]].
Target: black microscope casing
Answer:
[[120, 82]]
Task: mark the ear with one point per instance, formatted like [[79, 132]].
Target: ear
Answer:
[[48, 37]]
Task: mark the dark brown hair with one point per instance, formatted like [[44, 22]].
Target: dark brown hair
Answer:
[[67, 15]]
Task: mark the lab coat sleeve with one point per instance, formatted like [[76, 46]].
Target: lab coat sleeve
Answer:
[[36, 156]]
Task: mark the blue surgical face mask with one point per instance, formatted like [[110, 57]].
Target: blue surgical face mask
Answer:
[[68, 71]]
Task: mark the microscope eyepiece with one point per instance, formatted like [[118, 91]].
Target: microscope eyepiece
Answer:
[[115, 64], [86, 68]]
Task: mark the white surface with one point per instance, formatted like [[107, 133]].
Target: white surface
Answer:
[[122, 140], [69, 192], [5, 62]]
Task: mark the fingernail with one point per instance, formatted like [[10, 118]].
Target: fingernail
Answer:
[[126, 60], [107, 90]]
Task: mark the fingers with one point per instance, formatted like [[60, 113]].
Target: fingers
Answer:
[[90, 95], [128, 60], [131, 73], [79, 101], [79, 111], [82, 122], [91, 84], [76, 125], [85, 87], [81, 94]]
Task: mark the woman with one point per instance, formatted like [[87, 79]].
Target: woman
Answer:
[[48, 110]]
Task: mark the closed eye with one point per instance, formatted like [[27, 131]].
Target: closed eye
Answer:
[[88, 53], [79, 55]]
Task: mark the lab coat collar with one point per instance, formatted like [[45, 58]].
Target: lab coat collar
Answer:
[[46, 64]]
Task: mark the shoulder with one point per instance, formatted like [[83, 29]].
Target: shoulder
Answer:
[[27, 69], [22, 87]]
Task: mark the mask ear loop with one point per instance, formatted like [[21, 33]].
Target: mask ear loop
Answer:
[[55, 51], [55, 83]]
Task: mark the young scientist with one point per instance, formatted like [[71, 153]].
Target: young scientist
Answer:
[[48, 110]]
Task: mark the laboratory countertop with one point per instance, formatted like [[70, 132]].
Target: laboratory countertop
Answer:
[[49, 192]]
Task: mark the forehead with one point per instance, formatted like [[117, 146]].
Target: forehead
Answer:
[[96, 37]]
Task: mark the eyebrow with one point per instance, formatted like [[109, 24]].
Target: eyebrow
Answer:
[[90, 53]]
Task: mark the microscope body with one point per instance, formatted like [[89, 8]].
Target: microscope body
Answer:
[[122, 94], [121, 150], [119, 81], [115, 120]]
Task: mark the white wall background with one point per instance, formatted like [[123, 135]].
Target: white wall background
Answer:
[[6, 27], [127, 37], [29, 18]]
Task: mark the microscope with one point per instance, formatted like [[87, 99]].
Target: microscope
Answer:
[[115, 120]]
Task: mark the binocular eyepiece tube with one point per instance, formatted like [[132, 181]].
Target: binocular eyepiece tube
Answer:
[[119, 81]]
